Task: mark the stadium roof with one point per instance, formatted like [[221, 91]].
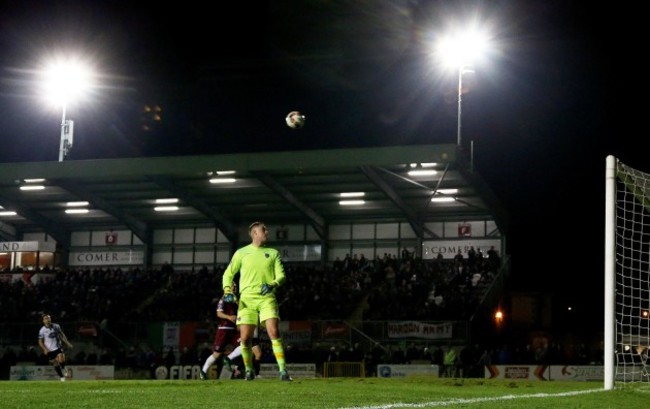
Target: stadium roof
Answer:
[[276, 187]]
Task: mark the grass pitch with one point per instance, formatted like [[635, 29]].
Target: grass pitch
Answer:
[[364, 393]]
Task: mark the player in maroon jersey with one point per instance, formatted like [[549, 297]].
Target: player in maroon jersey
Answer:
[[227, 333]]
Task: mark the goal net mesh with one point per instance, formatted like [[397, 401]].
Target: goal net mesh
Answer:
[[632, 286]]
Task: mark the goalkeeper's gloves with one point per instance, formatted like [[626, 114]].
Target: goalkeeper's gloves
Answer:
[[228, 295], [267, 289]]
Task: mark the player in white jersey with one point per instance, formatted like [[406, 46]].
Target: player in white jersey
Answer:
[[51, 339]]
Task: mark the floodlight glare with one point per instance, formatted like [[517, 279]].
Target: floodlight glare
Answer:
[[65, 81], [461, 51]]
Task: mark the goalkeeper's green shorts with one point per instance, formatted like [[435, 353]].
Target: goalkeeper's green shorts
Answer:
[[254, 309]]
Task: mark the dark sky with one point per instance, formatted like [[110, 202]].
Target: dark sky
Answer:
[[542, 112]]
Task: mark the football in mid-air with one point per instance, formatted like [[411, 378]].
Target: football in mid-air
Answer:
[[295, 120]]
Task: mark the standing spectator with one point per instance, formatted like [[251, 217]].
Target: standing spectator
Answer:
[[426, 355], [28, 354], [398, 356], [494, 259], [466, 361], [345, 353], [504, 355], [188, 356], [483, 360], [333, 355], [471, 257], [170, 358], [412, 353], [356, 354], [459, 258], [375, 358], [92, 358], [106, 357], [51, 339], [80, 358], [438, 358], [449, 362], [261, 272], [9, 359], [205, 352]]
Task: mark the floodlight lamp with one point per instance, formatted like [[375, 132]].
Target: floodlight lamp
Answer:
[[66, 80], [450, 191], [165, 208], [351, 202], [442, 199], [461, 50], [422, 172], [76, 211], [222, 180], [352, 194], [32, 187]]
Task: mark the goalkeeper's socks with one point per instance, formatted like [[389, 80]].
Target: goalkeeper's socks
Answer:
[[278, 351], [247, 357]]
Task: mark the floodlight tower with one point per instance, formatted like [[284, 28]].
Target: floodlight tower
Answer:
[[67, 131], [460, 51], [65, 82]]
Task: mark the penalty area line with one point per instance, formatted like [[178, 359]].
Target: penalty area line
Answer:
[[451, 402]]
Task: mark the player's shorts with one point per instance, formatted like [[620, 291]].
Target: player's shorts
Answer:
[[254, 309], [53, 354], [223, 338]]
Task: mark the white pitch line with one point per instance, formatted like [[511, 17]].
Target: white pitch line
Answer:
[[451, 402]]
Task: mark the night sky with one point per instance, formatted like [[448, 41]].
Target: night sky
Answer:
[[542, 111]]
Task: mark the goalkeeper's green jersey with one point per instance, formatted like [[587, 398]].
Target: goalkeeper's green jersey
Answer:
[[257, 266]]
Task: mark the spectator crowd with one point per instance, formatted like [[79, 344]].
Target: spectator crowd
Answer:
[[388, 288]]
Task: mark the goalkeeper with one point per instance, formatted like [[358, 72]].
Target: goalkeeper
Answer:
[[260, 273]]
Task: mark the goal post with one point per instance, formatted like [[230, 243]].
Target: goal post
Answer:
[[627, 274]]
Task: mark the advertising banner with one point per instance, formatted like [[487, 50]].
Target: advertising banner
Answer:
[[577, 373], [105, 258], [414, 329], [449, 248], [400, 371], [530, 372], [28, 246], [270, 371], [300, 252], [75, 372]]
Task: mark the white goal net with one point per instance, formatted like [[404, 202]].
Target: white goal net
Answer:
[[627, 274]]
